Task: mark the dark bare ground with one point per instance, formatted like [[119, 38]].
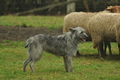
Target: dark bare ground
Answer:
[[22, 33]]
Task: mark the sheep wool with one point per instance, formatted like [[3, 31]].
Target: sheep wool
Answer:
[[77, 19], [103, 27]]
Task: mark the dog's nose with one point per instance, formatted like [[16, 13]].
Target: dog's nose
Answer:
[[86, 36]]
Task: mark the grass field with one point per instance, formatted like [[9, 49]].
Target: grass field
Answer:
[[50, 67], [32, 21], [87, 67]]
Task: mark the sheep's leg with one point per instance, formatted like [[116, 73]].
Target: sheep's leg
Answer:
[[107, 43], [119, 48], [78, 54], [109, 47], [104, 47], [100, 49]]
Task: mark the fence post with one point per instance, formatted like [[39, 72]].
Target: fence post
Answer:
[[70, 7]]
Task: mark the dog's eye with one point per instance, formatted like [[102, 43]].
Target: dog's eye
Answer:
[[81, 32]]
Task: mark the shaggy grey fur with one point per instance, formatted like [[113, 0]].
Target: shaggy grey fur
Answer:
[[62, 45]]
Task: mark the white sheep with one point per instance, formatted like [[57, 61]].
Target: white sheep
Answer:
[[104, 27]]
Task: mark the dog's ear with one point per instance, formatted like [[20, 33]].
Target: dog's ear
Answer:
[[72, 30]]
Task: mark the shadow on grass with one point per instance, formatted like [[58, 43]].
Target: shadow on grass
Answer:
[[113, 57], [96, 56]]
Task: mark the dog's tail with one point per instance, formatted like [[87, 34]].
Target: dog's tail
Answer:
[[28, 42]]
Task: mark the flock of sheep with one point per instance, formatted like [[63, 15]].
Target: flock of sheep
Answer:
[[102, 27]]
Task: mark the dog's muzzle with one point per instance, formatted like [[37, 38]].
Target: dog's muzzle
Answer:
[[84, 37]]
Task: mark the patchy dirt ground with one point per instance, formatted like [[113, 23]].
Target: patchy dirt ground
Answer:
[[22, 33]]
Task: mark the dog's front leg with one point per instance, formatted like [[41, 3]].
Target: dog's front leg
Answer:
[[69, 58], [65, 62], [68, 63]]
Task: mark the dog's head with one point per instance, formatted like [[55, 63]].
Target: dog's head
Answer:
[[80, 33]]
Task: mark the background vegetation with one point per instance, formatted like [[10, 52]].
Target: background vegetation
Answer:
[[15, 6]]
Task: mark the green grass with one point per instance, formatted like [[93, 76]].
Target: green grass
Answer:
[[50, 67], [32, 21]]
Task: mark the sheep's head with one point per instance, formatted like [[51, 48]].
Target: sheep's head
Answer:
[[113, 9]]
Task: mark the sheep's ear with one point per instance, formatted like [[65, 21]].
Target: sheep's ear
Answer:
[[72, 30]]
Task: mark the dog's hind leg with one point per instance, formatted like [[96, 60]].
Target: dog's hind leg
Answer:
[[32, 65], [26, 63], [35, 57]]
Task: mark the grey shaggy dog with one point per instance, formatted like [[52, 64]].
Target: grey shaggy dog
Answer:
[[62, 45]]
